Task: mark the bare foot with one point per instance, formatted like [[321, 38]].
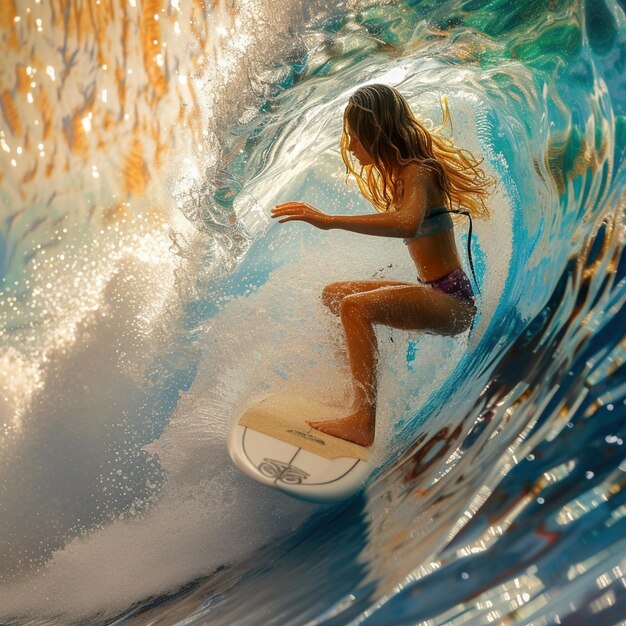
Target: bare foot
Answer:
[[357, 428]]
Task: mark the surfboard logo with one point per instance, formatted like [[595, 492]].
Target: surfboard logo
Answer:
[[308, 436], [282, 472]]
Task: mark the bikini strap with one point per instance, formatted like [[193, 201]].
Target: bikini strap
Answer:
[[469, 238]]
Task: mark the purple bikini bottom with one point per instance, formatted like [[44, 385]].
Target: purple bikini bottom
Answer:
[[456, 284]]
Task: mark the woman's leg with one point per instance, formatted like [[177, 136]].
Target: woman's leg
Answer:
[[334, 293], [404, 306]]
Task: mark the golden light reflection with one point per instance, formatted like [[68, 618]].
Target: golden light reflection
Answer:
[[140, 75]]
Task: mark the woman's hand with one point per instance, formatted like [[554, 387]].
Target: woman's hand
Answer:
[[303, 212]]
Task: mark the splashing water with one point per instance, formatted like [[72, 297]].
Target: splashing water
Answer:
[[146, 299]]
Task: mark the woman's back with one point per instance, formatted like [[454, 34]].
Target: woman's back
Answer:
[[434, 253]]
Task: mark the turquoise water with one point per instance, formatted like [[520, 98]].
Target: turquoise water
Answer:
[[140, 317]]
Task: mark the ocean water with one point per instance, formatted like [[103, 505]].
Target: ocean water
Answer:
[[146, 298]]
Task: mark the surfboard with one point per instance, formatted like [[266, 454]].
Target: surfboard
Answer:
[[272, 443]]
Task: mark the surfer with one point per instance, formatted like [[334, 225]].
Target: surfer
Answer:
[[414, 177]]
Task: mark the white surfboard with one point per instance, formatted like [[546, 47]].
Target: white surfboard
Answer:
[[272, 443]]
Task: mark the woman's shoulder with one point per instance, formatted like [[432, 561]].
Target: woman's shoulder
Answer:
[[412, 170]]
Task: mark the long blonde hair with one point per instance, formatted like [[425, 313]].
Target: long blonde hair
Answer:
[[382, 120]]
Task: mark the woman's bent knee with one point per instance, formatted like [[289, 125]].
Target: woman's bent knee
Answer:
[[332, 295], [352, 306]]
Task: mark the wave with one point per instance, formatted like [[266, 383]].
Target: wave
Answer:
[[134, 338]]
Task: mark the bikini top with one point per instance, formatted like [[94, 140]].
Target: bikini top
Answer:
[[438, 220]]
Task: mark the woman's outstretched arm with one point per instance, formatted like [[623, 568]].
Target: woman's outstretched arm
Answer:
[[401, 223]]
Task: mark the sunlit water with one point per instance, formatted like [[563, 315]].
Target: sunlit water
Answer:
[[146, 298]]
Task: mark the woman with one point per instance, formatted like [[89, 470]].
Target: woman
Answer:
[[413, 177]]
